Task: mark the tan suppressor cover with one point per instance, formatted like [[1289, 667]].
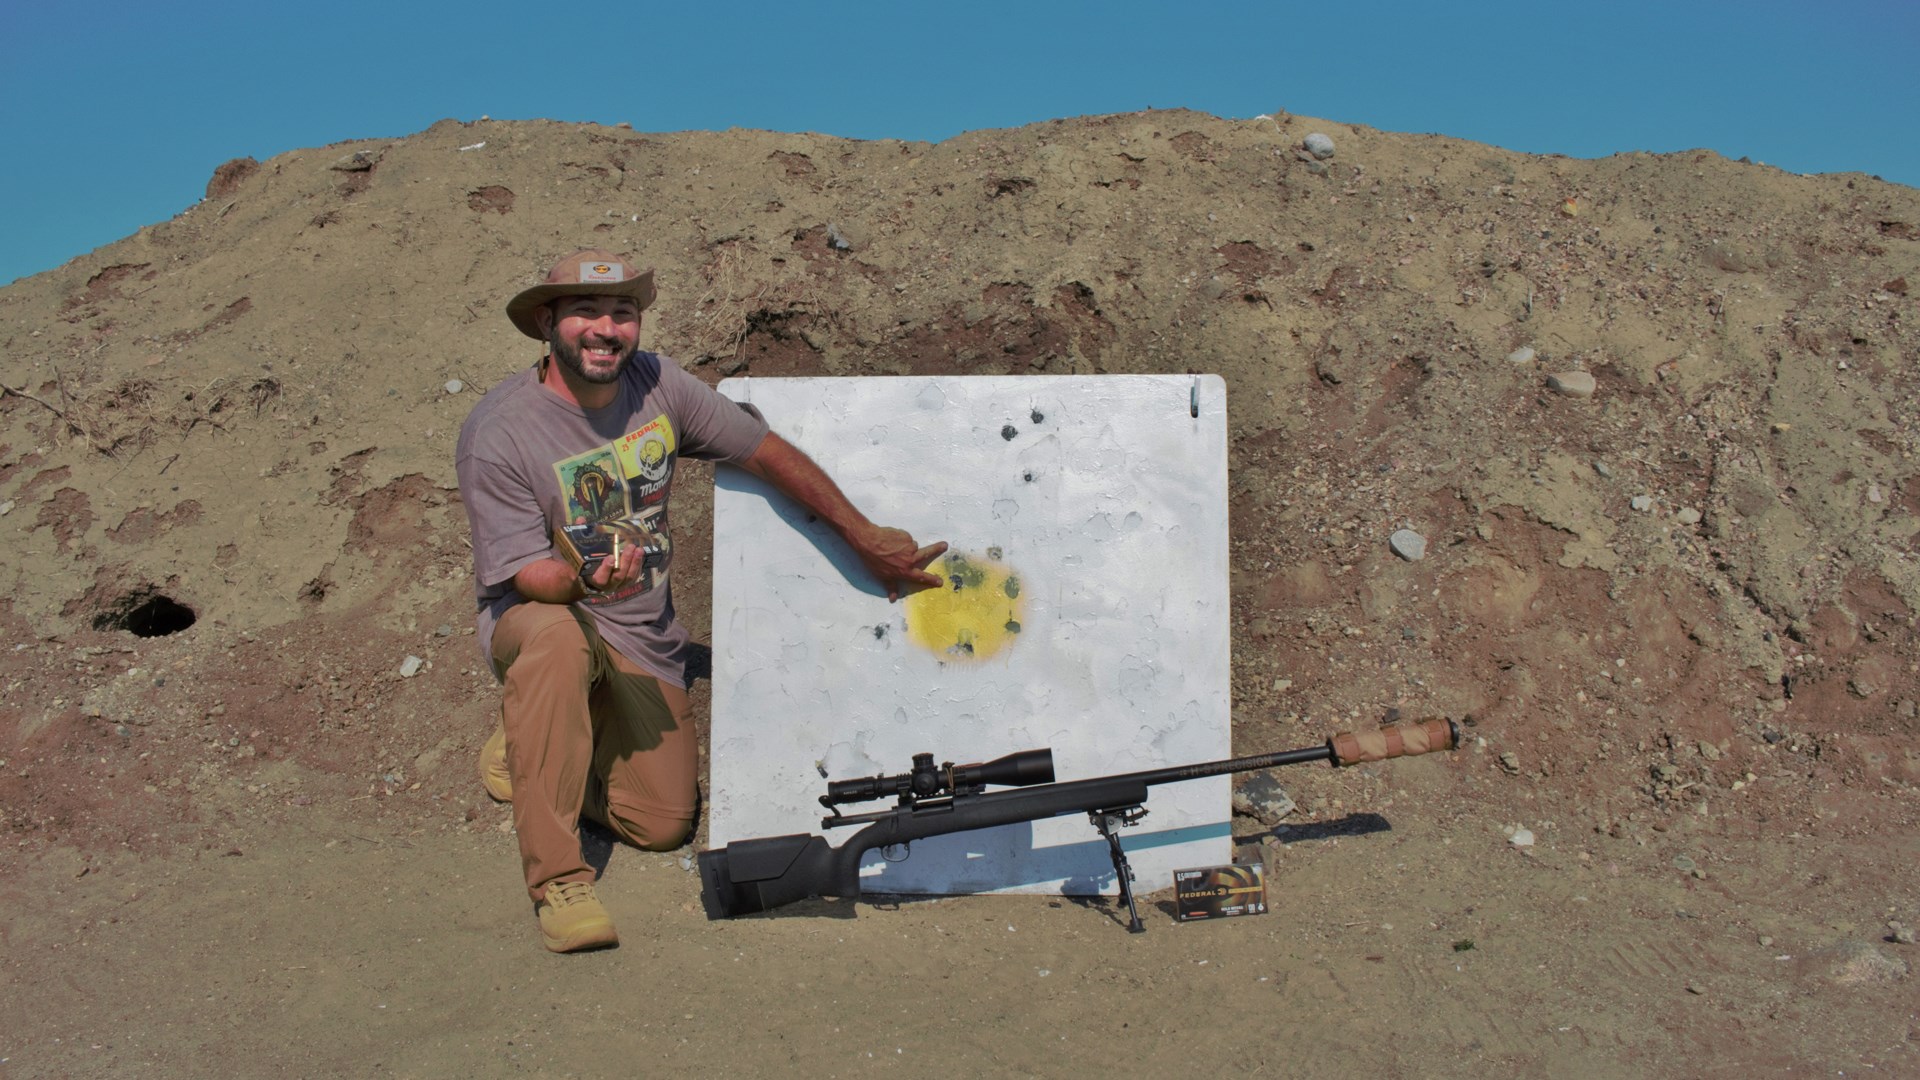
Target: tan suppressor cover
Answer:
[[1403, 740]]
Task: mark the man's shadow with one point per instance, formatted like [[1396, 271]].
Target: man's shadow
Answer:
[[596, 846]]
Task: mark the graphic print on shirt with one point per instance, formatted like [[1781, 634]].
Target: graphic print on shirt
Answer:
[[620, 489]]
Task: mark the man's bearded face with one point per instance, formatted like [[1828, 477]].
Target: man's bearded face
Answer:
[[594, 337]]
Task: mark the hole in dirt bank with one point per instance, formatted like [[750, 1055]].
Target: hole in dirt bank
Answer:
[[151, 615]]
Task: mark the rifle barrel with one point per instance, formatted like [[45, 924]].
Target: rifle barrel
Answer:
[[1402, 740], [1231, 765]]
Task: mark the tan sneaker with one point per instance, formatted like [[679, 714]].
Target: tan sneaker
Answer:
[[571, 919], [493, 766]]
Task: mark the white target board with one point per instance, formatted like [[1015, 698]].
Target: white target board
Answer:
[[1087, 612]]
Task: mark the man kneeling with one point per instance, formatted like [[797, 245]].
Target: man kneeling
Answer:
[[591, 660]]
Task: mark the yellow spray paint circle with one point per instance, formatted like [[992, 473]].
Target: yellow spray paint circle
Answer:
[[974, 615]]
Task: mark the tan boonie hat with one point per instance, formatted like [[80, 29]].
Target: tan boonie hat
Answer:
[[583, 273]]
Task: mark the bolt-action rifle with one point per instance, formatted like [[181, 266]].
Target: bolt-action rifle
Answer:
[[932, 800]]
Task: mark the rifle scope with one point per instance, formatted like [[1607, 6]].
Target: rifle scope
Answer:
[[928, 781]]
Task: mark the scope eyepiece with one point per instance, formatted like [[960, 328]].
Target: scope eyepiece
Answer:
[[861, 790]]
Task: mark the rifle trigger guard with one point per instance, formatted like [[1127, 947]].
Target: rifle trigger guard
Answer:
[[896, 852]]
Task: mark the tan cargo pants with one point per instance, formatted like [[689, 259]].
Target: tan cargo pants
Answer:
[[588, 732]]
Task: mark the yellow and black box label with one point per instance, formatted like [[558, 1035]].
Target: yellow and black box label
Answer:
[[1219, 892]]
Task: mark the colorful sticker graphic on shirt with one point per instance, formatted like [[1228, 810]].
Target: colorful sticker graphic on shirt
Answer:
[[620, 490], [647, 455], [593, 486]]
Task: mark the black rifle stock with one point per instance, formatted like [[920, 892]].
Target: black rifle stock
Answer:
[[755, 875]]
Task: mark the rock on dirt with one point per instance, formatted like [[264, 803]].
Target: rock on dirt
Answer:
[[1852, 962], [1573, 384], [1262, 798]]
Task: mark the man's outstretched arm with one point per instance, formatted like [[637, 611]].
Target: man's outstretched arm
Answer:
[[890, 555]]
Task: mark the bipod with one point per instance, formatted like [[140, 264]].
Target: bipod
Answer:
[[1109, 822]]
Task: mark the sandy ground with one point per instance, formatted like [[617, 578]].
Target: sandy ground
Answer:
[[326, 944]]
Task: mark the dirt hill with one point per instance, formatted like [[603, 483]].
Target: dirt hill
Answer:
[[1653, 415]]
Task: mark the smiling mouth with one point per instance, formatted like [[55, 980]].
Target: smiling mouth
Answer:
[[596, 362]]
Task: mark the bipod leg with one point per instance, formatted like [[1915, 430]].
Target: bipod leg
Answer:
[[1109, 822]]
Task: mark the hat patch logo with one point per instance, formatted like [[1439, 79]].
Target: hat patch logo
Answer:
[[602, 272]]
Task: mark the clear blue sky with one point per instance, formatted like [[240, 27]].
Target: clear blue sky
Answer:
[[116, 112]]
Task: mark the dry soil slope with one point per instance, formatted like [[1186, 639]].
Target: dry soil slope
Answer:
[[245, 409]]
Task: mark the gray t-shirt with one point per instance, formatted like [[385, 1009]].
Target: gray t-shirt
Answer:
[[529, 462]]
